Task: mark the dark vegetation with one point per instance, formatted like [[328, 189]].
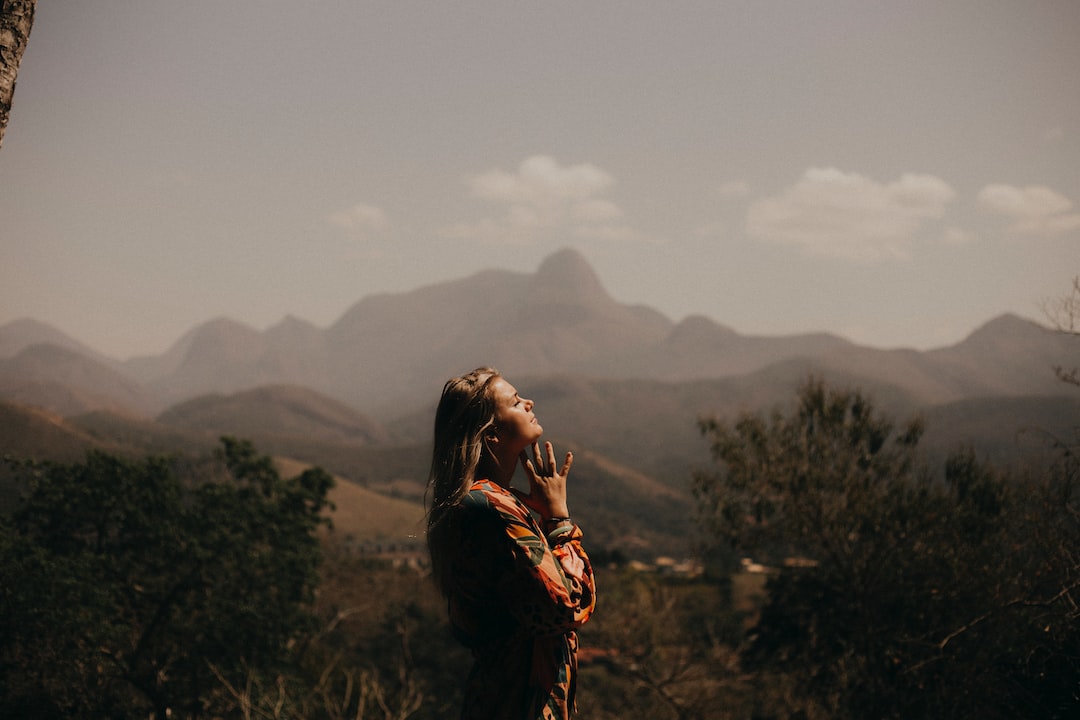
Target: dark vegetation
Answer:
[[197, 586], [128, 591], [900, 593]]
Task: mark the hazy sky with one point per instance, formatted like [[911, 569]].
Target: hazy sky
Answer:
[[894, 172]]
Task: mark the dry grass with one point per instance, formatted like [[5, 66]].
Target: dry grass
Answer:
[[363, 516]]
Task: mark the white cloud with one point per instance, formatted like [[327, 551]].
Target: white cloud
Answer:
[[540, 180], [1034, 209], [833, 213], [360, 220], [542, 197]]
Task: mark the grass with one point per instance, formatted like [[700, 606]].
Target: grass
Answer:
[[364, 517]]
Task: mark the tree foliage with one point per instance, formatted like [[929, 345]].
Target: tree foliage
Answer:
[[128, 591], [808, 485], [897, 592]]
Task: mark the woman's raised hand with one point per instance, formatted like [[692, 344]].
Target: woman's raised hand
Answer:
[[547, 488]]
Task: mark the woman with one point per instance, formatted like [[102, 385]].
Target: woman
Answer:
[[516, 587]]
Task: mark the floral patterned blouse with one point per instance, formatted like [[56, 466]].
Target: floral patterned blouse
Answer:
[[513, 605]]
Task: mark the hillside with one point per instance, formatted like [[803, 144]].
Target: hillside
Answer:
[[636, 444], [362, 517], [30, 433], [381, 487], [1004, 430], [286, 410], [61, 379]]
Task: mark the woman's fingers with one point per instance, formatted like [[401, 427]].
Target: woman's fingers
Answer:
[[547, 486], [543, 465]]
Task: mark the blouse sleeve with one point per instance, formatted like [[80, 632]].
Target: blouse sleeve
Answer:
[[537, 592]]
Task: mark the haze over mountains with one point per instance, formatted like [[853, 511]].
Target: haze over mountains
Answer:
[[388, 354], [623, 386]]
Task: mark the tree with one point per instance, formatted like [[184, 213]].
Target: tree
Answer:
[[127, 591], [807, 485], [896, 593], [1064, 315], [16, 20]]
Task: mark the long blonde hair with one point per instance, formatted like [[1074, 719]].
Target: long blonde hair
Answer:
[[465, 413]]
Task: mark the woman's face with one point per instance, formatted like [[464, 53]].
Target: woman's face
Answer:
[[515, 425]]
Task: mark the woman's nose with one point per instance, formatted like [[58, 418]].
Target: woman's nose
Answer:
[[528, 404]]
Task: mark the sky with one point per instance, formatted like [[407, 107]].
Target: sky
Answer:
[[895, 173]]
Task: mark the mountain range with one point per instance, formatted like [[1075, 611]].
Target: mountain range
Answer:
[[389, 353], [622, 385]]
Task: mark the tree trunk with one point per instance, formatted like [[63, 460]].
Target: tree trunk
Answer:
[[16, 19]]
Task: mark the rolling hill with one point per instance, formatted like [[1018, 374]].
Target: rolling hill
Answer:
[[275, 410]]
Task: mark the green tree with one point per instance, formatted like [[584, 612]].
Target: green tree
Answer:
[[895, 593], [805, 485], [128, 591]]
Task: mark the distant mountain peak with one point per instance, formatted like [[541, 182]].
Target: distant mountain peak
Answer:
[[291, 320], [697, 324], [224, 338], [20, 334], [291, 326], [566, 260], [1005, 327], [566, 277], [1008, 321], [223, 324]]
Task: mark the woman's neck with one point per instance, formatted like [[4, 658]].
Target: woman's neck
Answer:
[[499, 470]]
